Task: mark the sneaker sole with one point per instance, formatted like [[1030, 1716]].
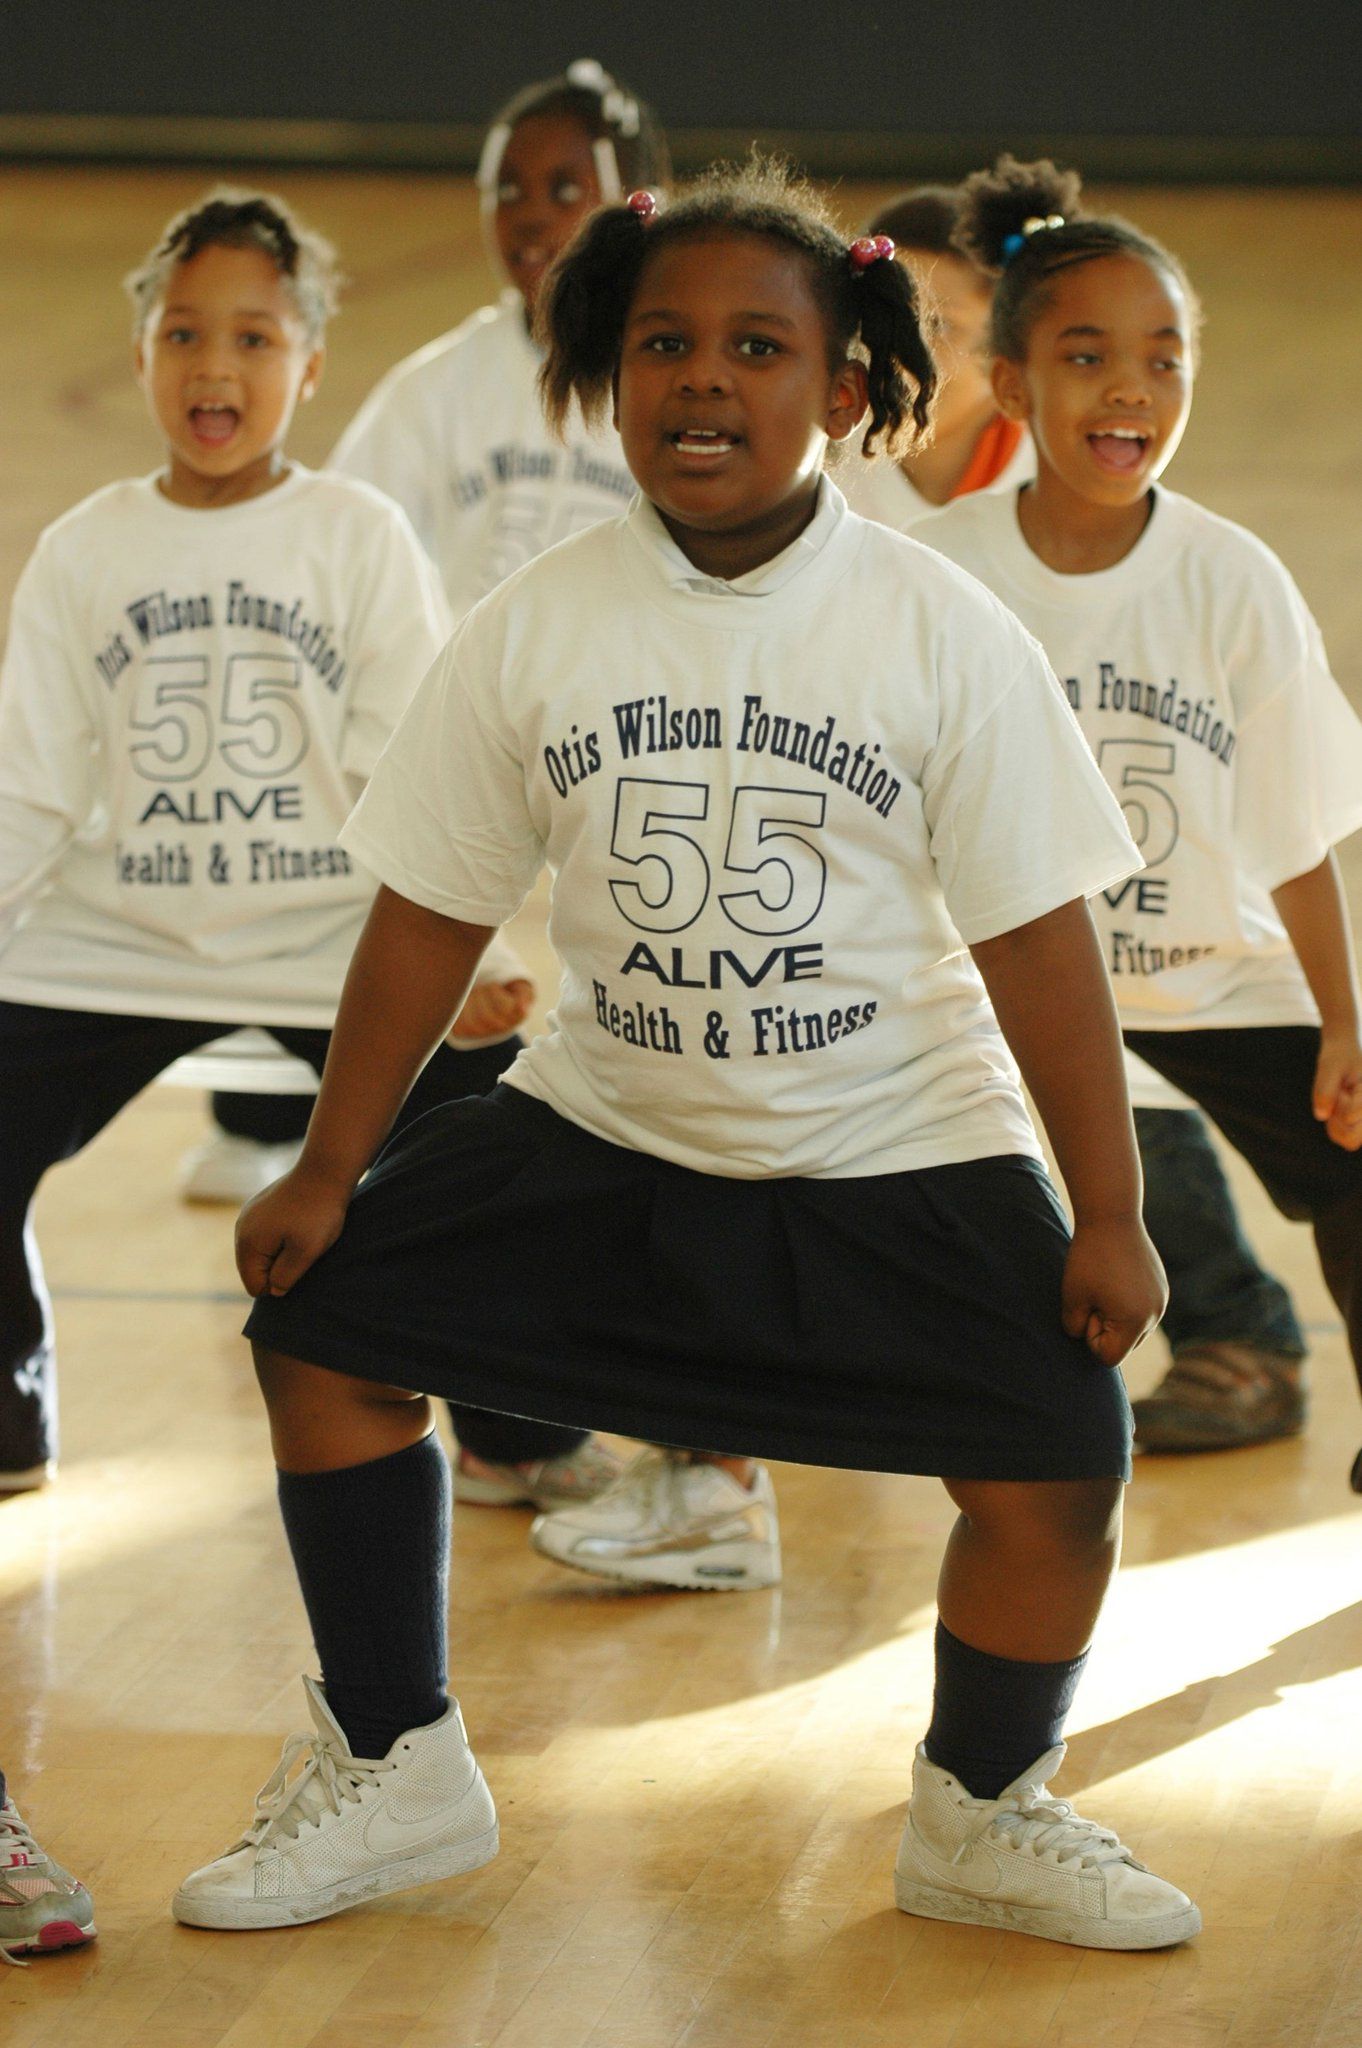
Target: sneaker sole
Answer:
[[57, 1934], [1076, 1932], [721, 1569], [456, 1860]]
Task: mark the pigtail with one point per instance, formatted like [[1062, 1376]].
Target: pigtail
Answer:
[[899, 365], [996, 207], [580, 314]]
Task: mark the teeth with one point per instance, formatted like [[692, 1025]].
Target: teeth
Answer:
[[1123, 433]]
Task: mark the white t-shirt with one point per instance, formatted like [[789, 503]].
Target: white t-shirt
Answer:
[[189, 703], [457, 435], [1200, 680], [772, 808], [879, 489]]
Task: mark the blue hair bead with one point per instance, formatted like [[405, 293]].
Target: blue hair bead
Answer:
[[1012, 246]]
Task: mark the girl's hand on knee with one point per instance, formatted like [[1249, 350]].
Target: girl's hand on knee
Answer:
[[285, 1230], [1114, 1287]]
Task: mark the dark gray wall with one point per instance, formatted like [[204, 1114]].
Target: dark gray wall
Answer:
[[1196, 71]]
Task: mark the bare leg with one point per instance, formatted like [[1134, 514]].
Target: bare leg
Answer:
[[324, 1421], [1028, 1564]]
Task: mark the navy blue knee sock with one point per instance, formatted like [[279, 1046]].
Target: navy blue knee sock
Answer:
[[370, 1545], [993, 1716]]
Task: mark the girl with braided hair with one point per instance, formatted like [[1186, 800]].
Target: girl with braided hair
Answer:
[[770, 1164], [203, 666]]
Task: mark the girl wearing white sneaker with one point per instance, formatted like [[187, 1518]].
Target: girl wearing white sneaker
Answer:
[[457, 435], [771, 1165]]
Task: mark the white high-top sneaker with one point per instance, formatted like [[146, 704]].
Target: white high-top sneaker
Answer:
[[669, 1520], [348, 1828], [1030, 1863]]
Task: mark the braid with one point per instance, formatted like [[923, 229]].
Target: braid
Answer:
[[230, 218], [1025, 223], [610, 113], [873, 313]]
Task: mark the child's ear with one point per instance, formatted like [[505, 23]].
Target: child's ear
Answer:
[[1010, 388], [849, 400], [312, 375]]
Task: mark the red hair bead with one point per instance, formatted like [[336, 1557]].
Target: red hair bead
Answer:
[[642, 203], [868, 249]]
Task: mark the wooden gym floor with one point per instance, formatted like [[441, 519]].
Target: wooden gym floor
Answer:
[[700, 1797]]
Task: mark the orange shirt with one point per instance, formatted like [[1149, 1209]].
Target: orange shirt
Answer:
[[993, 450]]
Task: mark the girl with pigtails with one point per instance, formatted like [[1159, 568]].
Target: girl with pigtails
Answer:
[[771, 1163]]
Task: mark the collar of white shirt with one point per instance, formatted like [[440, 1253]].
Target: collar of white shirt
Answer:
[[682, 574]]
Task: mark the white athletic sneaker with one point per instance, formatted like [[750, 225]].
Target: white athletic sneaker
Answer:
[[544, 1483], [668, 1521], [348, 1828], [1028, 1862], [229, 1169], [41, 1905]]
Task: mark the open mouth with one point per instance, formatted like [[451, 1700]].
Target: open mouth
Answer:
[[1120, 450], [214, 425], [705, 443]]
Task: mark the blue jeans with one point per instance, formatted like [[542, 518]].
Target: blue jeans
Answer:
[[1216, 1287]]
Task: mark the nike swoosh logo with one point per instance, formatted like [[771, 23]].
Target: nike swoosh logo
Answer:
[[384, 1836], [978, 1873]]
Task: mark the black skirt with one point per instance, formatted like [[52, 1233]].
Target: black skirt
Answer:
[[504, 1258]]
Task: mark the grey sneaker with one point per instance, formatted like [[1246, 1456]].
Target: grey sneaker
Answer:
[[544, 1483], [1028, 1862], [671, 1521], [41, 1905], [1217, 1395]]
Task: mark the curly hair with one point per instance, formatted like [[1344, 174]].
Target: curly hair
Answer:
[[1025, 224]]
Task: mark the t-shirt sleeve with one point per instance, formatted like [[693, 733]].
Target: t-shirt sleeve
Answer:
[[1020, 818], [48, 739], [445, 820], [1298, 756], [388, 444], [399, 624]]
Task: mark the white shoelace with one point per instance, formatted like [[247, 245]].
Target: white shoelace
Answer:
[[1059, 1832], [328, 1781]]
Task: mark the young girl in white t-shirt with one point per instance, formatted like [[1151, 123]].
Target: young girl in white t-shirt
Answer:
[[1200, 680], [457, 435], [768, 1181], [456, 432], [203, 666], [1238, 1349]]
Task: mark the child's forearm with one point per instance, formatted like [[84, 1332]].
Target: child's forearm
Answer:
[[1049, 989], [1313, 909], [410, 973]]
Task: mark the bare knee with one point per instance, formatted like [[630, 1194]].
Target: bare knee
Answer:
[[294, 1383], [1076, 1520]]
